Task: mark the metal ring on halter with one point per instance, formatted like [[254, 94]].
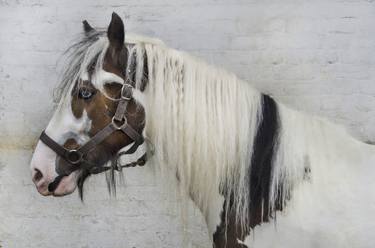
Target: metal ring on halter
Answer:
[[74, 156], [119, 127], [127, 92]]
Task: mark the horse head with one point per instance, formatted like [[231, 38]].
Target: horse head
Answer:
[[97, 115]]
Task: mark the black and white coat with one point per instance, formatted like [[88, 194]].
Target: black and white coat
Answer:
[[263, 175]]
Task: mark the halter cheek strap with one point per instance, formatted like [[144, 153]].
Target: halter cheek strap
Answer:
[[76, 158]]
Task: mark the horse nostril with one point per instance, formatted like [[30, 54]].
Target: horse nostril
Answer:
[[38, 175]]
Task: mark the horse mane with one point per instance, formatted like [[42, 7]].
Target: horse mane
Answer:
[[204, 123], [207, 126]]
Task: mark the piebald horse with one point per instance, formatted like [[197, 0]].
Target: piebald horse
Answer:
[[263, 175]]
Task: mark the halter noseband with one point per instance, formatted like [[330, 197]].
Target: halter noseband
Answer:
[[76, 158]]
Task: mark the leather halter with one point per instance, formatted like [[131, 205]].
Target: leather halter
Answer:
[[76, 158]]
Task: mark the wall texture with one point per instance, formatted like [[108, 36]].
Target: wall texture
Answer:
[[317, 56]]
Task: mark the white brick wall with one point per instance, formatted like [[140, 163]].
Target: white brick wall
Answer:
[[317, 56]]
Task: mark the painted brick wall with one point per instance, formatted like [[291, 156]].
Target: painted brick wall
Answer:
[[317, 56]]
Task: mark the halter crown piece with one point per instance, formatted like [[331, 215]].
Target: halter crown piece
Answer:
[[76, 158]]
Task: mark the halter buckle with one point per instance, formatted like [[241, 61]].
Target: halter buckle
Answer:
[[127, 92], [120, 125], [74, 156]]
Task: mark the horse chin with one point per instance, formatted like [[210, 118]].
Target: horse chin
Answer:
[[67, 185]]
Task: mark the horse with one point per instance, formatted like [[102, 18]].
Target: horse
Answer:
[[261, 173]]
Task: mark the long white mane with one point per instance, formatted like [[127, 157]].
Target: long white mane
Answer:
[[203, 121]]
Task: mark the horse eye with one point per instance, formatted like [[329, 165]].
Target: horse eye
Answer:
[[85, 93]]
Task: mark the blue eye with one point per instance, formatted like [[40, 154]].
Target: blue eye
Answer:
[[85, 93]]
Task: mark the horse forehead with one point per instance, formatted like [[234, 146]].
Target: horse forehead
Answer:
[[102, 76]]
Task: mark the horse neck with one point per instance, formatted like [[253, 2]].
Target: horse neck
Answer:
[[201, 121]]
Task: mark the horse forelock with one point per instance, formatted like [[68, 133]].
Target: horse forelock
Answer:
[[90, 50]]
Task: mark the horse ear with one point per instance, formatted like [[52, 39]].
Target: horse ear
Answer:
[[116, 32], [87, 27]]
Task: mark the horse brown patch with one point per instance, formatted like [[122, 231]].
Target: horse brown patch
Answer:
[[100, 108]]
